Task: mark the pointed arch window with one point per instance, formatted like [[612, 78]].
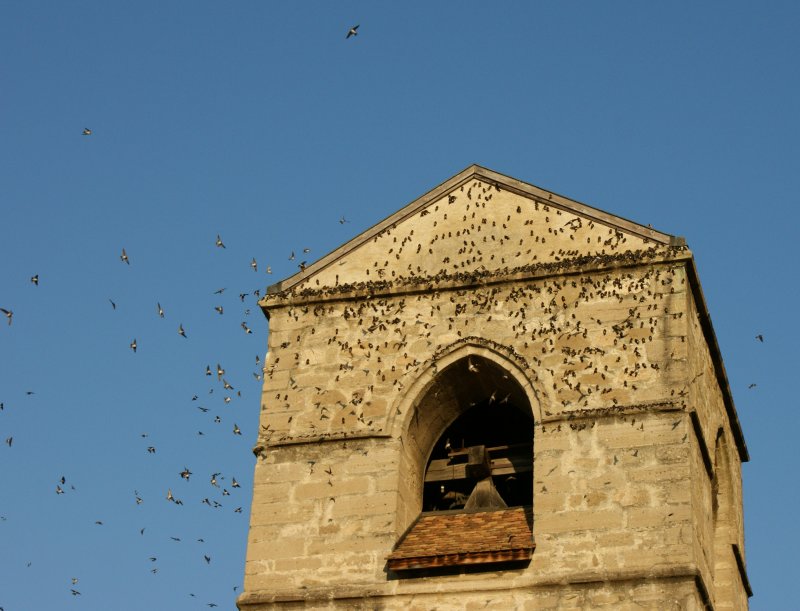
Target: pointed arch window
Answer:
[[477, 480]]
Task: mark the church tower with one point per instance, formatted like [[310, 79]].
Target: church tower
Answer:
[[496, 398]]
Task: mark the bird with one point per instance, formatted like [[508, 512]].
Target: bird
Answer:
[[219, 242], [306, 250], [219, 309], [219, 291], [226, 384], [752, 385], [208, 370], [220, 372], [124, 257], [242, 296], [472, 366], [246, 328], [269, 269], [35, 279], [254, 264], [113, 305], [87, 131], [343, 220], [760, 338], [160, 310], [9, 314], [291, 256], [352, 32], [133, 344], [151, 450], [302, 266], [234, 483], [181, 332], [186, 474], [214, 480], [236, 430], [9, 441], [207, 559]]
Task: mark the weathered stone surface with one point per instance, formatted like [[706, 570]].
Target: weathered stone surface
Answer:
[[593, 324]]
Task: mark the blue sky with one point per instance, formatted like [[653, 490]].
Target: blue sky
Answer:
[[259, 122]]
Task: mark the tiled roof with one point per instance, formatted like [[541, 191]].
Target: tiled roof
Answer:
[[455, 538]]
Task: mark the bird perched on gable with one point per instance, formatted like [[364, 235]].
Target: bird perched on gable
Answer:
[[352, 32]]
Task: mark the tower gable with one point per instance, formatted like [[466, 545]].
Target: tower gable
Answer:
[[478, 223]]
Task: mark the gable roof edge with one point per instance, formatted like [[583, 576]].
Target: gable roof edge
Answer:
[[507, 183]]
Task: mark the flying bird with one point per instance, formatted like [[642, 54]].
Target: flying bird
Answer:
[[113, 305], [87, 131], [219, 309], [9, 314], [35, 279], [760, 338], [246, 328], [343, 220], [186, 474], [181, 332], [133, 345], [160, 310], [220, 372], [236, 430], [219, 242], [124, 257], [208, 370], [352, 32], [269, 269], [219, 291], [254, 265]]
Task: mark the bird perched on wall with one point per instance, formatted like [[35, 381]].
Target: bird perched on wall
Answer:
[[352, 32]]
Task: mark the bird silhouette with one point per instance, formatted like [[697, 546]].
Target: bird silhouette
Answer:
[[219, 242], [87, 131], [9, 315], [124, 257], [352, 32], [35, 279], [181, 332]]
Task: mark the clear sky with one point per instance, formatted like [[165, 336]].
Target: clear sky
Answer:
[[260, 122]]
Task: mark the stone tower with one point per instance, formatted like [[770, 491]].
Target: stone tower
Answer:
[[496, 398]]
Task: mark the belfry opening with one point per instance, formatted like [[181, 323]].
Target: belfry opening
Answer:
[[483, 460]]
